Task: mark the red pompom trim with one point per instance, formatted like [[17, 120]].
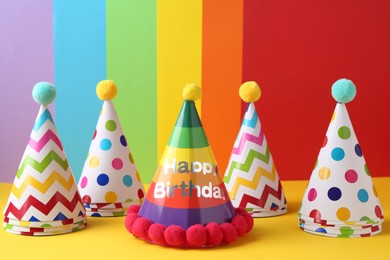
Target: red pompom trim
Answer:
[[156, 233], [175, 236], [195, 236]]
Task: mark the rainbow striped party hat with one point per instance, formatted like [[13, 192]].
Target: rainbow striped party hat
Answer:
[[110, 181], [44, 199], [251, 177], [187, 204], [340, 199]]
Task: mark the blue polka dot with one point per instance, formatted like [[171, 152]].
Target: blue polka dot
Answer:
[[321, 230], [358, 150], [123, 140], [105, 144], [363, 195], [103, 179], [334, 193], [95, 215], [338, 154], [127, 181]]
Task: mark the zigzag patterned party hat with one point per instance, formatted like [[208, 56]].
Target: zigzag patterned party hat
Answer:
[[340, 199], [44, 199], [251, 177], [109, 182], [187, 204]]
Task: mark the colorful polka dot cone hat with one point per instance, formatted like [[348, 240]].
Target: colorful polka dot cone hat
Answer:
[[109, 182], [340, 199], [44, 199], [251, 177], [187, 204]]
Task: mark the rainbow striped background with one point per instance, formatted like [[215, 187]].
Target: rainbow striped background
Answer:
[[295, 50], [151, 50]]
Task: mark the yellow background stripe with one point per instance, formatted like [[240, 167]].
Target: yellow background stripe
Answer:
[[179, 60]]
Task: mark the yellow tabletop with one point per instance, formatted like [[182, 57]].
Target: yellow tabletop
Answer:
[[271, 238]]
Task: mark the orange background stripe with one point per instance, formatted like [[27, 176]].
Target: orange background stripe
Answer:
[[221, 75]]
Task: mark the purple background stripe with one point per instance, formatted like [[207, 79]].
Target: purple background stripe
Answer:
[[26, 57]]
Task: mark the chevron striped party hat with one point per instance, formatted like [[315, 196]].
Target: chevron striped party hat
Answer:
[[187, 198], [340, 199], [251, 177], [109, 182], [44, 199]]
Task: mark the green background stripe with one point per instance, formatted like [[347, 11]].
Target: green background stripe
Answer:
[[132, 64], [188, 116], [188, 137]]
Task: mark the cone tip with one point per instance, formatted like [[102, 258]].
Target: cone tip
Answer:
[[343, 90], [250, 91], [192, 92], [106, 89], [44, 93]]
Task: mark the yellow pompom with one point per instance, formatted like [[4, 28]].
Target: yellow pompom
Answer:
[[250, 91], [192, 91], [106, 89]]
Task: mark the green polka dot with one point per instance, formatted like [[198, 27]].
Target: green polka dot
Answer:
[[344, 132], [110, 125], [346, 231], [366, 169], [45, 226]]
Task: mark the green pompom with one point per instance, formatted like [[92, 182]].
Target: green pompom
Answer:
[[343, 90], [44, 93]]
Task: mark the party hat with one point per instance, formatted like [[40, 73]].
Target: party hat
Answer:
[[340, 199], [109, 182], [187, 204], [44, 199], [251, 177]]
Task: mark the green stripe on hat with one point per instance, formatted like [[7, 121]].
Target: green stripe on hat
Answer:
[[188, 116], [188, 137]]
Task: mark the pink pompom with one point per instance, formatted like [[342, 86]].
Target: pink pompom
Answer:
[[133, 209], [156, 233], [214, 234], [175, 236], [239, 222], [196, 235], [249, 220], [140, 228], [129, 221], [229, 232]]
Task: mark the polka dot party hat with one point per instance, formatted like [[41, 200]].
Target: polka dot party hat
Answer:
[[187, 204], [44, 199], [340, 199], [251, 177], [109, 182]]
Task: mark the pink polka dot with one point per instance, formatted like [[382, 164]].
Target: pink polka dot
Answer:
[[84, 182], [378, 212], [312, 195], [117, 164], [351, 176]]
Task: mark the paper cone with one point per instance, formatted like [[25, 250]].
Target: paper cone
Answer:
[[251, 177], [109, 175], [44, 189], [340, 190], [187, 189]]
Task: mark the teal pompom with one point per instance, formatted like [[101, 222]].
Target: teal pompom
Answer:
[[343, 90], [44, 93]]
